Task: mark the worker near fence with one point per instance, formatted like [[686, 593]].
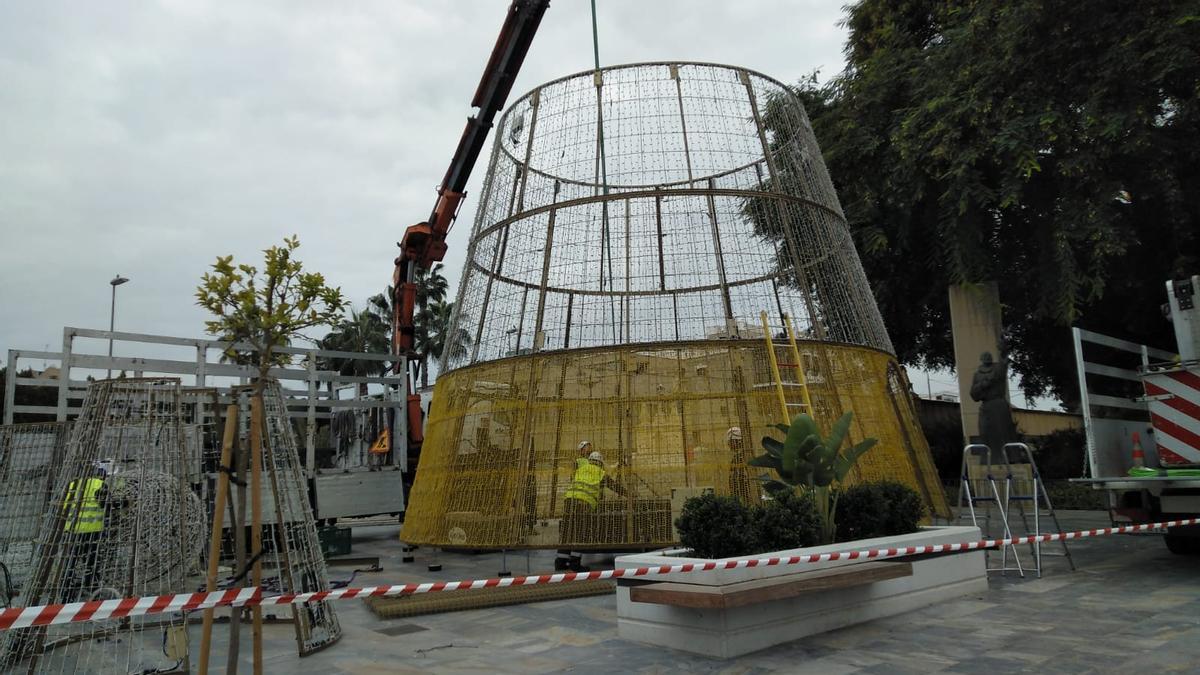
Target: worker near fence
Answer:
[[83, 511], [580, 503], [739, 474]]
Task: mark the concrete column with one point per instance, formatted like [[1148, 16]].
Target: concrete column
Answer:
[[976, 325]]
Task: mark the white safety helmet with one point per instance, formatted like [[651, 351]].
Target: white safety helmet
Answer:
[[596, 457], [734, 434], [107, 467], [584, 444]]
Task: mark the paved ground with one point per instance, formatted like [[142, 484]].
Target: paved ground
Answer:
[[1131, 607]]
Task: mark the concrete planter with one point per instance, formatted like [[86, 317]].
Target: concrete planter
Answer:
[[733, 631]]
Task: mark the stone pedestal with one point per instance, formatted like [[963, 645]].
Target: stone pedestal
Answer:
[[730, 632], [977, 327]]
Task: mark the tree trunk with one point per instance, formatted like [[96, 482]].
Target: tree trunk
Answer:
[[257, 438]]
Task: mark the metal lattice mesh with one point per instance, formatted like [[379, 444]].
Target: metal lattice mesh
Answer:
[[30, 455], [149, 538], [633, 226], [702, 222], [293, 560]]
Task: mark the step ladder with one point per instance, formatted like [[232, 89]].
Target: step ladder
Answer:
[[1001, 481], [789, 409]]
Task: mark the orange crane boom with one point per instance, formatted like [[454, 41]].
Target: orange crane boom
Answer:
[[425, 243]]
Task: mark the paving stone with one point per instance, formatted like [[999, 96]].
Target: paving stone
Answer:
[[1131, 607]]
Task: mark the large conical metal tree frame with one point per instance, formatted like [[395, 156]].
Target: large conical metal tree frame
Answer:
[[634, 224]]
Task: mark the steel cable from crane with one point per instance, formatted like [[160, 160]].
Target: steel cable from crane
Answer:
[[602, 165]]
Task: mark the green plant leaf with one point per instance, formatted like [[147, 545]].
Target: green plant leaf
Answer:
[[803, 425], [766, 462], [773, 446], [791, 455], [774, 486], [838, 434], [808, 446], [847, 459]]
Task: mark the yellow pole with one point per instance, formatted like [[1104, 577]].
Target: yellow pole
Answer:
[[801, 376], [775, 368]]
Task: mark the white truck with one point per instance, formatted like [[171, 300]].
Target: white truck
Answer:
[[1135, 395]]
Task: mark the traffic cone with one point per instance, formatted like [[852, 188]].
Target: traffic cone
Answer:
[[1139, 457]]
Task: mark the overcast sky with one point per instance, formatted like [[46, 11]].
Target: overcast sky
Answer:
[[147, 138]]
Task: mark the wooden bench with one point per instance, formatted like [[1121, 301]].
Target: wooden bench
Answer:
[[762, 590]]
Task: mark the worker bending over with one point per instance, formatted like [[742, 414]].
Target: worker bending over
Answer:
[[83, 511], [580, 504]]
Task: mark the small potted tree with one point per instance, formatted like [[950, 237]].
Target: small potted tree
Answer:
[[728, 611]]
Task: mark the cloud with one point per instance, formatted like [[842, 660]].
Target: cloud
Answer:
[[147, 138]]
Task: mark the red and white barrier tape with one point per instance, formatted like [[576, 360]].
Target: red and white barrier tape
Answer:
[[99, 610]]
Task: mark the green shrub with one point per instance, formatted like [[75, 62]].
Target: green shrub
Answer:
[[788, 521], [878, 510], [1060, 454], [1066, 495], [716, 527]]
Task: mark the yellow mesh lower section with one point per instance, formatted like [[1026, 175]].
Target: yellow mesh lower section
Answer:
[[502, 438]]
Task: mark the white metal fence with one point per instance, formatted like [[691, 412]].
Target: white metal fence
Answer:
[[352, 485]]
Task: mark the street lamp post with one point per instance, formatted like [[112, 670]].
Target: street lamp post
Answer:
[[112, 315]]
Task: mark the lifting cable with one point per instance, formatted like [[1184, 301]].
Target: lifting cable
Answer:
[[606, 240]]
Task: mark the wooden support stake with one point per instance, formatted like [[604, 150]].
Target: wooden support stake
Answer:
[[256, 417], [214, 542]]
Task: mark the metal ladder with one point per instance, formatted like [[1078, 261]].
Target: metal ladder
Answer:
[[797, 364], [1018, 490]]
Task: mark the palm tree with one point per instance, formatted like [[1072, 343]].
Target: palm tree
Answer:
[[435, 336], [362, 332], [431, 286], [380, 305]]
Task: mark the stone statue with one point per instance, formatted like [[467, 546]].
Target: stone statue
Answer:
[[989, 387]]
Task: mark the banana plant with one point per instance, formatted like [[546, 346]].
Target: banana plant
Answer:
[[807, 462]]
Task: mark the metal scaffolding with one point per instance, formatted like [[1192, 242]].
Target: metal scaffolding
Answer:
[[612, 293]]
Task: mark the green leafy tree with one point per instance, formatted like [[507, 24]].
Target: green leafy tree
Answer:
[[267, 310], [808, 463], [1052, 147], [264, 311]]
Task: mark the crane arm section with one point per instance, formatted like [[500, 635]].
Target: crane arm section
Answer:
[[425, 243]]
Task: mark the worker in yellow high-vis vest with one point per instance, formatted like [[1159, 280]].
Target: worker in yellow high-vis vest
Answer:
[[83, 511], [579, 505]]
